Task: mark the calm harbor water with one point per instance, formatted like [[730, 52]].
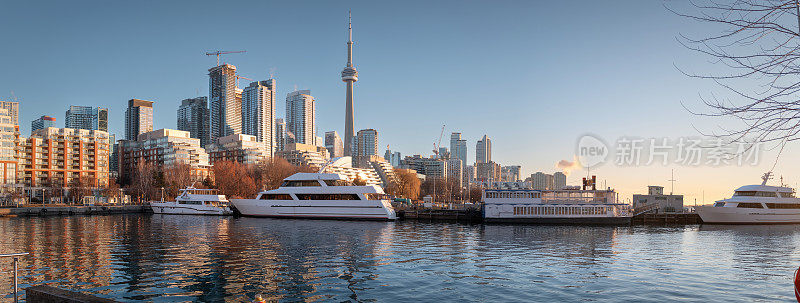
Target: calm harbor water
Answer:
[[187, 258]]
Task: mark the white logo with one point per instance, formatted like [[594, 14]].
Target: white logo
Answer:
[[591, 151]]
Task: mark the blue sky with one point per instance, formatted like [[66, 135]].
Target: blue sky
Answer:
[[533, 75]]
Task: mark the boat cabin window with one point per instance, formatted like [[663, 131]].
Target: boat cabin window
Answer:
[[327, 197], [300, 183], [375, 196], [276, 197], [755, 193], [719, 204], [749, 205], [783, 205], [338, 183], [787, 195], [191, 202]]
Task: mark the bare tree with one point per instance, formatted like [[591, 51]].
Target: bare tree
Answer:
[[758, 44], [272, 173], [406, 185], [143, 183], [176, 177]]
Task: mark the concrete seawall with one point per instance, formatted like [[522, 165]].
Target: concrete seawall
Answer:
[[66, 210]]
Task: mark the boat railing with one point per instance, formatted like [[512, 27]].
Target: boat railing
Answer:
[[647, 208], [16, 265]]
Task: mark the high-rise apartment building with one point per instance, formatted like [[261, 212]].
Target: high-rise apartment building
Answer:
[[226, 104], [258, 112], [138, 118], [163, 147], [542, 181], [483, 150], [241, 148], [9, 154], [12, 108], [510, 173], [65, 157], [367, 142], [193, 117], [280, 134], [87, 117], [42, 123], [559, 180], [301, 117], [334, 144], [393, 158], [458, 147]]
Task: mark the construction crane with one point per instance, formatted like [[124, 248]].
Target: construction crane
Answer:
[[243, 77], [438, 144], [217, 53]]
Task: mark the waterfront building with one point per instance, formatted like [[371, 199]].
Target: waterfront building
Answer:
[[656, 201], [455, 171], [367, 142], [12, 108], [542, 181], [163, 147], [510, 173], [430, 167], [193, 117], [344, 166], [225, 102], [304, 155], [506, 185], [471, 173], [334, 144], [138, 118], [393, 158], [487, 171], [483, 150], [280, 134], [301, 117], [458, 147], [87, 117], [349, 76], [42, 123], [258, 112], [559, 180], [9, 153], [241, 148], [64, 157]]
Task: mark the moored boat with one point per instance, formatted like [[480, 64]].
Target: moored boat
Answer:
[[319, 196], [754, 204], [194, 201]]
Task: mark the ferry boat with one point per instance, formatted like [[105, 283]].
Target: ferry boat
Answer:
[[754, 204], [193, 201], [569, 205], [319, 196]]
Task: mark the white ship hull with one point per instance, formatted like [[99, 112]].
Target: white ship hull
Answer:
[[316, 209], [172, 208], [734, 215]]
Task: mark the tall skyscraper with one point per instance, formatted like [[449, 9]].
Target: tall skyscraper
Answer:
[[258, 112], [334, 144], [13, 110], [392, 157], [349, 76], [458, 147], [138, 118], [301, 123], [87, 117], [193, 117], [280, 134], [42, 122], [483, 150], [367, 142], [226, 105]]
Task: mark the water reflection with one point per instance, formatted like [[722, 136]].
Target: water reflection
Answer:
[[184, 258]]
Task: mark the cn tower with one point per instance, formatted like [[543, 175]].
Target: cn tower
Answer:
[[349, 76]]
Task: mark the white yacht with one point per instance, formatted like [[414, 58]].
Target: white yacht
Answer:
[[319, 196], [193, 201], [569, 205], [754, 204]]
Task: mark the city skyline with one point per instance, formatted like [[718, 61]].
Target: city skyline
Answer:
[[550, 103]]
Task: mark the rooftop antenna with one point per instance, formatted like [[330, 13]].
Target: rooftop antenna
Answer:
[[272, 72], [672, 181]]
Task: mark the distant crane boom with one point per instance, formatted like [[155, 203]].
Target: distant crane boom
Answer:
[[217, 53], [438, 144]]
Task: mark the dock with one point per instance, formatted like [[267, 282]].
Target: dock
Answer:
[[471, 215], [69, 210]]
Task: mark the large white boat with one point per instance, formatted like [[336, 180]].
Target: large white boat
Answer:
[[193, 201], [319, 196], [754, 204], [569, 205]]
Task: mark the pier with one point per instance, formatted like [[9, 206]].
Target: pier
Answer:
[[472, 215], [69, 210]]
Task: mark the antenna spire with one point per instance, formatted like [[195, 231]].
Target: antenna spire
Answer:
[[349, 39]]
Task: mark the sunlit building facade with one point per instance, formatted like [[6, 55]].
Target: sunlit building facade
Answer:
[[64, 157], [240, 148], [163, 147]]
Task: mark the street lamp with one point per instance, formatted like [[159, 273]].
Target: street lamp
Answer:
[[162, 194]]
